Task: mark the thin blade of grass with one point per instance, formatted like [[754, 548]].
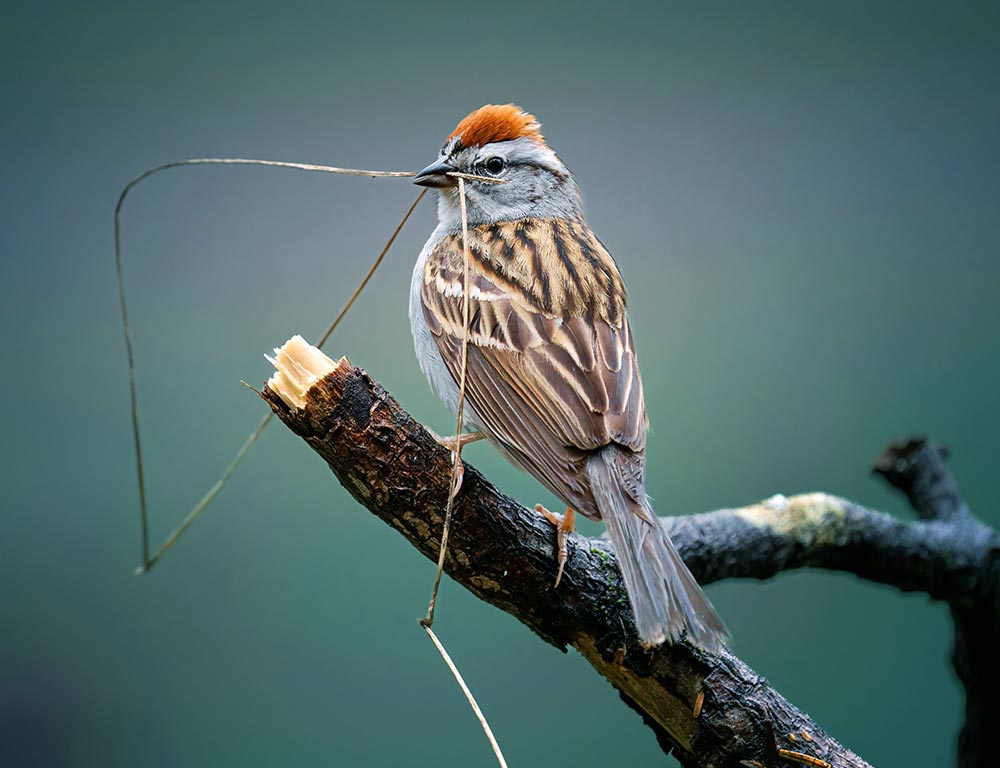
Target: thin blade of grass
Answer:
[[469, 697], [147, 560], [428, 620]]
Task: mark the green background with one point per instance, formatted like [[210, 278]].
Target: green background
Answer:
[[803, 199]]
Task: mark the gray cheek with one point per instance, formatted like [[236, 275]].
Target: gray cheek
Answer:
[[536, 191]]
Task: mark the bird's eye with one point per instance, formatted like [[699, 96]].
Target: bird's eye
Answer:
[[495, 166]]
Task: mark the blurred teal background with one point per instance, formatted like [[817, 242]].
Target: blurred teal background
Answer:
[[803, 199]]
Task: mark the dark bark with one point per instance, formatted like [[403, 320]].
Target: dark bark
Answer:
[[918, 469], [947, 560], [708, 710], [504, 554]]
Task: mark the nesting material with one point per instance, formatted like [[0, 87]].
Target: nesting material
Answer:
[[299, 365]]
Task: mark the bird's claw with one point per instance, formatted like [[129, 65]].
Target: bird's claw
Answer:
[[564, 527]]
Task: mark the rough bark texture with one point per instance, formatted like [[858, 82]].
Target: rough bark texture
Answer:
[[710, 710], [970, 552]]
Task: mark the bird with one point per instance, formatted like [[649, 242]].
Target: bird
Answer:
[[552, 379]]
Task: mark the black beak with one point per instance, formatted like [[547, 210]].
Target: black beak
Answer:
[[436, 175]]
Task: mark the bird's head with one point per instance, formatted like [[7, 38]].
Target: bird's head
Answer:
[[521, 176]]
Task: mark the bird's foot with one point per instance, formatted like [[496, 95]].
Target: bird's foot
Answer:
[[459, 475], [564, 527], [453, 443]]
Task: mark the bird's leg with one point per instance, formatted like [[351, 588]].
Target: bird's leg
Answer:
[[452, 443], [564, 527]]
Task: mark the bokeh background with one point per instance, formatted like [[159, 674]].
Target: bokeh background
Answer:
[[803, 198]]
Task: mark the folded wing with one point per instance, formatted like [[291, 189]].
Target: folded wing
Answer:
[[551, 387]]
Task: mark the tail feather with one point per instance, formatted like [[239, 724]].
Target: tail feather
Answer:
[[666, 600]]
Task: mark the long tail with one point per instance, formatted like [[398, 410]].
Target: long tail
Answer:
[[664, 595]]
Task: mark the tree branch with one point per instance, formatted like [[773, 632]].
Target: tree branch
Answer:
[[945, 560], [918, 469], [949, 554], [710, 710]]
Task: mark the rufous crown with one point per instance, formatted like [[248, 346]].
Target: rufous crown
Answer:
[[497, 122]]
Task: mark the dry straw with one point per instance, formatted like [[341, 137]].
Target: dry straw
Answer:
[[148, 561]]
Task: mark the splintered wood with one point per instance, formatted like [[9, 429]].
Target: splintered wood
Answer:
[[298, 366]]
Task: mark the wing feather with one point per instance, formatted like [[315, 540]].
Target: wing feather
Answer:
[[550, 387]]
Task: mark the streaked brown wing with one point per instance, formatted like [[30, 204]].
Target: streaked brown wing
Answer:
[[549, 389]]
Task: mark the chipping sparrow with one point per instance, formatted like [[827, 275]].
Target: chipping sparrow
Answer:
[[552, 378]]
